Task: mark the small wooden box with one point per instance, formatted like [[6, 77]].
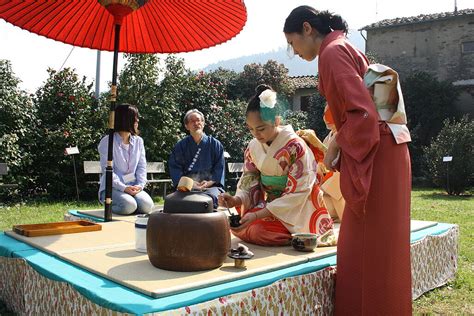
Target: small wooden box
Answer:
[[58, 228]]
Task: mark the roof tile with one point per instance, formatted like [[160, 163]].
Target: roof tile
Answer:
[[417, 19]]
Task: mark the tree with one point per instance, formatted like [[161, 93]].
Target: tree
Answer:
[[315, 115], [228, 78], [225, 119], [68, 115], [17, 127], [138, 80], [428, 103], [271, 73], [297, 119], [162, 120], [455, 139], [139, 85]]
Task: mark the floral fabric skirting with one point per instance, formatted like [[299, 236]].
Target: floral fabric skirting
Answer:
[[27, 292]]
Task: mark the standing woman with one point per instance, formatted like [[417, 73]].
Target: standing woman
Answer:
[[129, 177], [373, 256]]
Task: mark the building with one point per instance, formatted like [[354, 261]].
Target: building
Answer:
[[441, 44], [305, 86]]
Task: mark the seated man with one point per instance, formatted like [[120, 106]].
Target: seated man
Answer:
[[198, 156]]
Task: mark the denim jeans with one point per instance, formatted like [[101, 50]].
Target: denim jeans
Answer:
[[126, 204]]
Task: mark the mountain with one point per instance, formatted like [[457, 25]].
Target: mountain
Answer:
[[296, 66]]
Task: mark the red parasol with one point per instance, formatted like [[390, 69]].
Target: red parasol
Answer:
[[132, 26]]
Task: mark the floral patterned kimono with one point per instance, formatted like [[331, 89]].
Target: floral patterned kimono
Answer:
[[282, 178]]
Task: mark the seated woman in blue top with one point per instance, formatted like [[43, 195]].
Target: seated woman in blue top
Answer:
[[198, 156], [129, 176]]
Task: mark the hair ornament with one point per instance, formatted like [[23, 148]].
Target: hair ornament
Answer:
[[268, 99]]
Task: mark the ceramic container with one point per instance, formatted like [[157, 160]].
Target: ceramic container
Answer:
[[188, 242], [304, 241], [141, 222]]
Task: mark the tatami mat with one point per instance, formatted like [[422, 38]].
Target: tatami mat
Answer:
[[113, 234], [111, 253], [133, 269], [99, 213], [419, 225]]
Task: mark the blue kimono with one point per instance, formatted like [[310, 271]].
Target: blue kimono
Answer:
[[203, 161]]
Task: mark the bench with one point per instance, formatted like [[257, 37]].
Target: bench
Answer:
[[152, 169], [157, 168], [4, 172], [234, 171], [93, 167]]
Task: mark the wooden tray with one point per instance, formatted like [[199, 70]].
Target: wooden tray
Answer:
[[58, 228]]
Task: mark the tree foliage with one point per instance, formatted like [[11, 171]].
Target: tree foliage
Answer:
[[68, 115], [37, 129], [17, 124], [138, 80], [271, 73], [455, 139], [315, 115], [157, 103], [297, 119], [227, 78], [428, 103]]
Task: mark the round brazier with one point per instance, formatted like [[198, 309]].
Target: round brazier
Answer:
[[188, 242]]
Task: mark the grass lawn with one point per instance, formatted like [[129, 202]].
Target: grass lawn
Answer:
[[456, 298]]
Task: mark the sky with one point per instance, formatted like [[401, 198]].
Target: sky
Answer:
[[31, 54]]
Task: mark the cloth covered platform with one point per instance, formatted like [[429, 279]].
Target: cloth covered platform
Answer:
[[115, 258], [37, 282]]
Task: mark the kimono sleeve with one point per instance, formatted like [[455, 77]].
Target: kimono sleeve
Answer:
[[175, 168], [358, 134], [249, 186], [301, 178], [218, 166]]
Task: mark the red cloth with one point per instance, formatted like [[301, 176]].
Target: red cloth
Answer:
[[267, 231], [373, 256]]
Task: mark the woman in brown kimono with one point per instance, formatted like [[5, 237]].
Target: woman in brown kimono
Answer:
[[373, 256]]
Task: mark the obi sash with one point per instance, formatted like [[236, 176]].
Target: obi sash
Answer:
[[273, 186], [384, 86]]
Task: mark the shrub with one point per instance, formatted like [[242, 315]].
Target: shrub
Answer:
[[17, 126], [315, 115], [158, 103], [428, 103], [68, 115], [270, 73], [456, 139], [297, 119]]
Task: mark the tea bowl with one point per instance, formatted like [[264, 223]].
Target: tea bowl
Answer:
[[304, 241]]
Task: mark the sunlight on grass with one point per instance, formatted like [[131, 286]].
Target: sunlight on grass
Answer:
[[457, 298]]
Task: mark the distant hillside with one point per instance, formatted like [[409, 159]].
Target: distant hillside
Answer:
[[296, 66]]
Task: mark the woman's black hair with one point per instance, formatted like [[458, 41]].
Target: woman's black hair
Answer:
[[254, 102], [323, 21], [126, 115]]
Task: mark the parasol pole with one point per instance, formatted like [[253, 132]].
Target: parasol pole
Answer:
[[113, 99]]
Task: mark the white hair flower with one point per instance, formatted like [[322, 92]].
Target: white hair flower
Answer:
[[268, 99]]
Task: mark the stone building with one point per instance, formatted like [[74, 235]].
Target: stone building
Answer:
[[305, 86], [441, 44]]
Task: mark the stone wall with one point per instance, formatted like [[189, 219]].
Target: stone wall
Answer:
[[433, 46]]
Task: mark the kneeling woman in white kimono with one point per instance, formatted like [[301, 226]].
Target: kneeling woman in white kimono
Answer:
[[278, 193]]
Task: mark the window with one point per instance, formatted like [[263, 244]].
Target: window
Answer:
[[467, 47], [304, 103]]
